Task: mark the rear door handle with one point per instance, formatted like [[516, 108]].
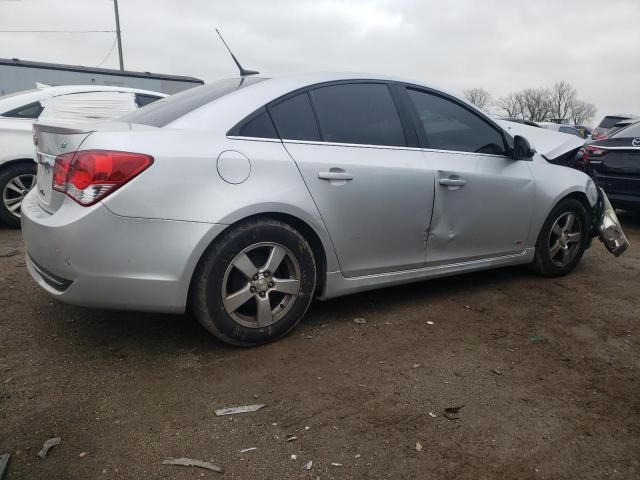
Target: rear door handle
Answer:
[[453, 182], [335, 176]]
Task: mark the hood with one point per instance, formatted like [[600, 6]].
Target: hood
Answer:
[[548, 143]]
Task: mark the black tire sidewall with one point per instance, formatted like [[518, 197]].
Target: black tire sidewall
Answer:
[[6, 175], [543, 262], [209, 307]]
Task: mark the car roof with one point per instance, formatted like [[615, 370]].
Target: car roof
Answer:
[[17, 100]]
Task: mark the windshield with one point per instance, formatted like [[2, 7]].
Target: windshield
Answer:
[[165, 111]]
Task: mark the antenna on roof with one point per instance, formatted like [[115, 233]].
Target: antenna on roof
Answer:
[[243, 72]]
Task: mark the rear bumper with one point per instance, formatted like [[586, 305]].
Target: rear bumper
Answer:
[[92, 257]]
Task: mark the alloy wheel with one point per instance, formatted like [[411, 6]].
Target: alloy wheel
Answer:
[[565, 238], [261, 284], [15, 190]]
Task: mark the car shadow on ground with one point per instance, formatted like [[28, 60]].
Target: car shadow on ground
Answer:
[[163, 333]]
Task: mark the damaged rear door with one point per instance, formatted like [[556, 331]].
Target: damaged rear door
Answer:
[[483, 198]]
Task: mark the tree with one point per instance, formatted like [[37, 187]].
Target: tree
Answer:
[[582, 112], [512, 105], [562, 98], [536, 104], [478, 97]]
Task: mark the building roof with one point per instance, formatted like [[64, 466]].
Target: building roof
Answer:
[[16, 62]]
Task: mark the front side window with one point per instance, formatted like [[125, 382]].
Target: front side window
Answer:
[[32, 110], [450, 126], [360, 113], [143, 99]]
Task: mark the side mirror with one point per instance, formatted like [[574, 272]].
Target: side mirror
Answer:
[[521, 149]]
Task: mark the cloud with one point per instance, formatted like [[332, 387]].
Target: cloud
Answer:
[[499, 45]]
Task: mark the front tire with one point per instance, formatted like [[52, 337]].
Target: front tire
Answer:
[[562, 239], [15, 182], [255, 283]]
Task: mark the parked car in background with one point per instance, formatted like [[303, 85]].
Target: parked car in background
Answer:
[[607, 123], [248, 197], [61, 104], [584, 130], [562, 128], [620, 125], [614, 164], [521, 120]]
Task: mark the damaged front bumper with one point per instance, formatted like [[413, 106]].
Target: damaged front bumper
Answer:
[[606, 226]]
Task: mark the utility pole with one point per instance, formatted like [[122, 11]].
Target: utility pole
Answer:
[[115, 6]]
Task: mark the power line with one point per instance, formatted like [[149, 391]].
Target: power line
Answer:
[[57, 31], [108, 54]]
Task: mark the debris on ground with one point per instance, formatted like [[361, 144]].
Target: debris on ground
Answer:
[[294, 456], [451, 413], [4, 461], [497, 371], [429, 322], [83, 454], [359, 321], [242, 409], [357, 455], [48, 445], [416, 365], [189, 462], [536, 339], [432, 415], [418, 446], [336, 464], [9, 253], [291, 438], [308, 465], [250, 449]]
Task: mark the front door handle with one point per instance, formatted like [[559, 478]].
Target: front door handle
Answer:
[[335, 176], [453, 182]]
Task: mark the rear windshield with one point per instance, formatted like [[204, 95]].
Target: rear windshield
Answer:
[[627, 132], [608, 122], [165, 111]]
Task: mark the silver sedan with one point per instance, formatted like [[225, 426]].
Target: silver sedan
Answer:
[[248, 197]]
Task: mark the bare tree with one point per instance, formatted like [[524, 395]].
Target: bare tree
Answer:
[[478, 97], [582, 112], [562, 98], [536, 104], [512, 105]]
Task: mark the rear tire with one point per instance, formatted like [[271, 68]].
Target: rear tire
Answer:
[[562, 239], [255, 283], [15, 182]]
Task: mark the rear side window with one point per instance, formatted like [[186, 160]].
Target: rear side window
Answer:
[[142, 99], [165, 111], [294, 119], [450, 126], [572, 131], [260, 126], [361, 113], [608, 122], [32, 110]]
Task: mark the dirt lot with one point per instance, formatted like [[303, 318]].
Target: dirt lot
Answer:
[[548, 372]]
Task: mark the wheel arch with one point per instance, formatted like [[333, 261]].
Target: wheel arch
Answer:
[[10, 163], [310, 234]]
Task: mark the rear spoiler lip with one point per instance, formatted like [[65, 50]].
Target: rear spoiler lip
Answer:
[[49, 128]]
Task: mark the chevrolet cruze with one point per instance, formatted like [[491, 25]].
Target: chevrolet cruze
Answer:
[[246, 198]]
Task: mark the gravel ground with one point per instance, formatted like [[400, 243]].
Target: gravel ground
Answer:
[[547, 372]]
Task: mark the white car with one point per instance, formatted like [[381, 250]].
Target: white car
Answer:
[[561, 127], [60, 104]]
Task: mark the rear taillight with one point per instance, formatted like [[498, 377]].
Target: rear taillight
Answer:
[[593, 153], [90, 175]]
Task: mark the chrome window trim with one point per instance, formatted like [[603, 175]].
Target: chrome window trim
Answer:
[[255, 139]]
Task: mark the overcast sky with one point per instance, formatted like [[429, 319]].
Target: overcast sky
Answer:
[[501, 45]]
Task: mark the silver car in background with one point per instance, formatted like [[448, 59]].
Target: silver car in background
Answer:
[[248, 197]]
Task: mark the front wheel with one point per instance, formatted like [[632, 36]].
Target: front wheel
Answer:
[[255, 283], [562, 240]]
